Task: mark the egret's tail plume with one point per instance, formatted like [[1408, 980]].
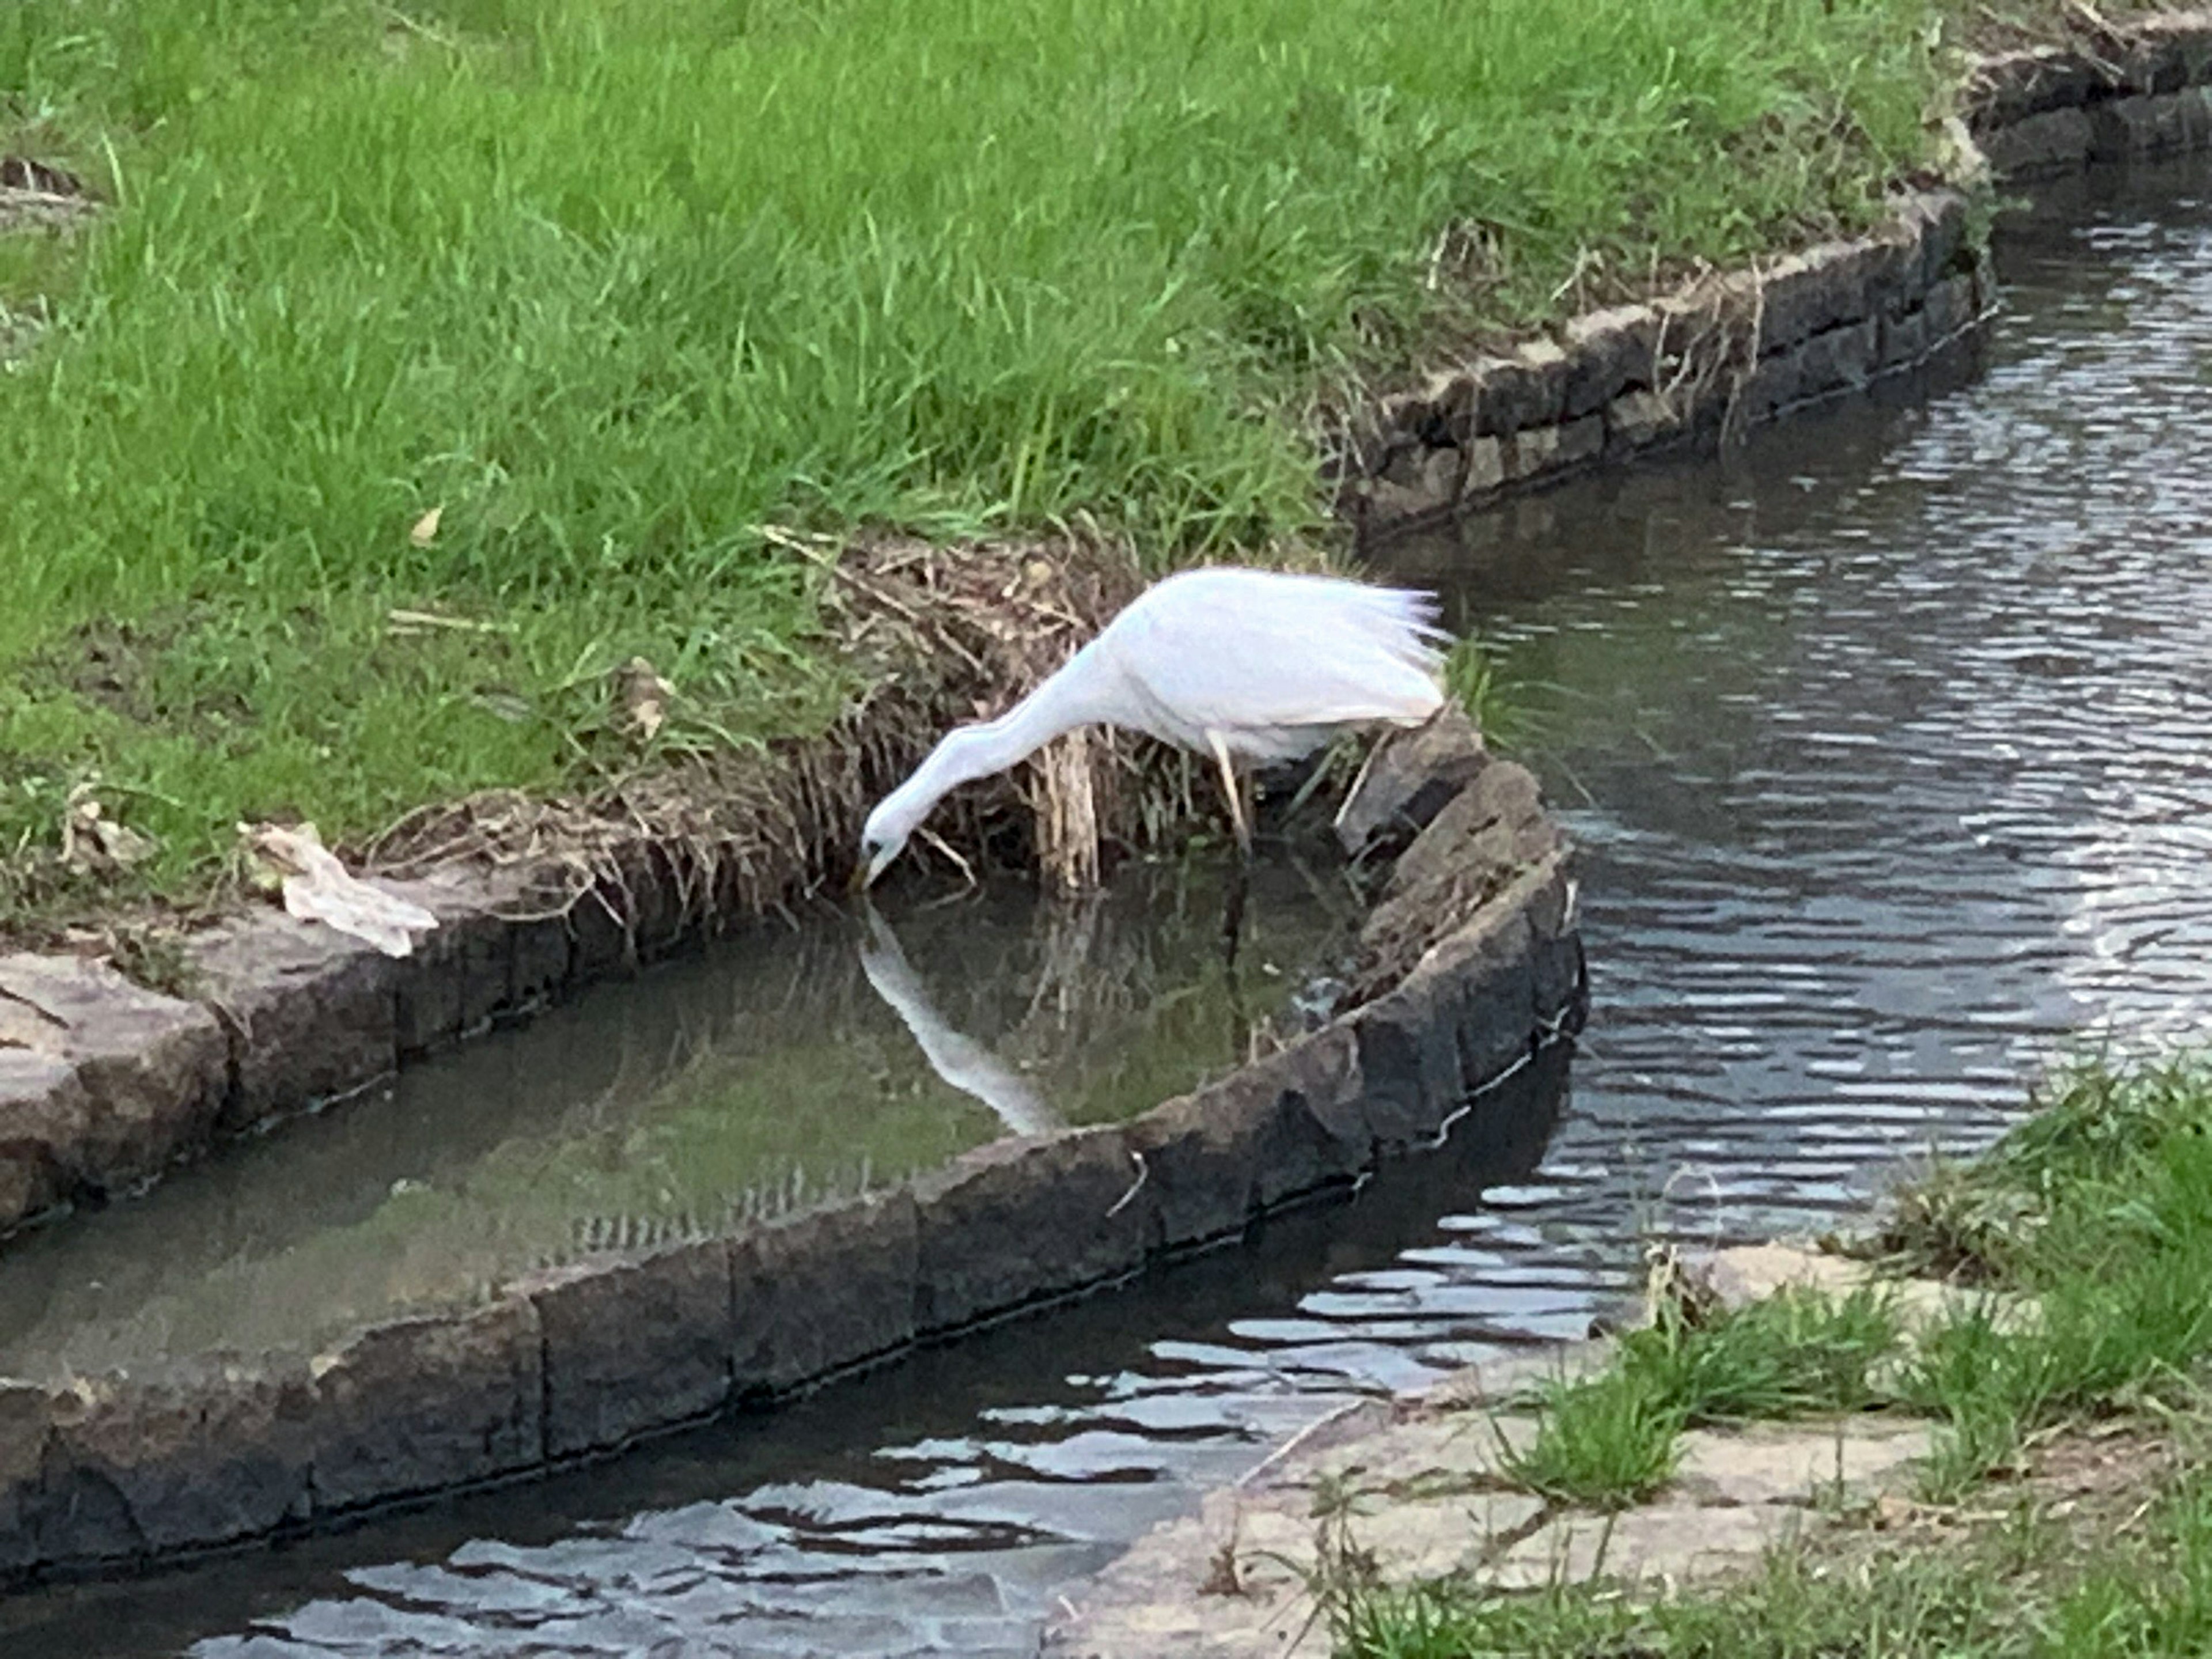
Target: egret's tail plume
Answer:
[[1407, 623]]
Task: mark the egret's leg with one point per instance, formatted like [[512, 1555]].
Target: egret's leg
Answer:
[[1358, 782], [1232, 914], [1234, 789], [1232, 920]]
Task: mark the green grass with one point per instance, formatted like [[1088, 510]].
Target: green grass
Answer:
[[1604, 1442], [2099, 1207], [1790, 1610], [2089, 1230], [616, 284], [1476, 676], [2026, 1588], [1609, 1440], [1794, 1353], [2029, 1208]]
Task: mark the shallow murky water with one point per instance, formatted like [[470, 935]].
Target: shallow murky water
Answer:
[[783, 1065], [1890, 742]]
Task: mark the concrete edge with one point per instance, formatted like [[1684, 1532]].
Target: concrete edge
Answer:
[[1421, 1487], [1748, 347]]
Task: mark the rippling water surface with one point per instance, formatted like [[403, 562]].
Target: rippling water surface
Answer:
[[1890, 743]]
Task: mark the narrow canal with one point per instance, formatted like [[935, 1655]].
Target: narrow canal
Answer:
[[1889, 741]]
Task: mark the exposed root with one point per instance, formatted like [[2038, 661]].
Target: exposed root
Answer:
[[1059, 788]]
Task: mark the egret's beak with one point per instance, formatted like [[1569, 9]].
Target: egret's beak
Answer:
[[859, 884]]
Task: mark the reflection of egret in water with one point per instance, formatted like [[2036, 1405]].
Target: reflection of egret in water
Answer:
[[960, 1061]]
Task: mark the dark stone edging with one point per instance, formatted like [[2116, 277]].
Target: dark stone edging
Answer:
[[1751, 346], [105, 1084], [121, 1470]]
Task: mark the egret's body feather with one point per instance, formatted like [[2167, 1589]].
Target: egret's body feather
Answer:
[[1276, 663]]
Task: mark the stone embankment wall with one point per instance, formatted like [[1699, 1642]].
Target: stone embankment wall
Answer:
[[119, 1469], [1741, 348], [104, 1084]]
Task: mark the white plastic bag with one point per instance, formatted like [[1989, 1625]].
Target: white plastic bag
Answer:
[[317, 888]]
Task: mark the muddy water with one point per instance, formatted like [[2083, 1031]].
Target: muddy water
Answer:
[[1890, 741]]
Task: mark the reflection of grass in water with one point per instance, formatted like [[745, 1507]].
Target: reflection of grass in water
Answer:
[[734, 1137], [1149, 1053], [1131, 1005], [1130, 1008], [729, 1137]]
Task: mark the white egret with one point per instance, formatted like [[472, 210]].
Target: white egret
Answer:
[[1249, 666]]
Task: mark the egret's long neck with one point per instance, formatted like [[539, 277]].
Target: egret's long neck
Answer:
[[1060, 704]]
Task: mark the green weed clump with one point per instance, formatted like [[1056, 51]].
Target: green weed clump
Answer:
[[2026, 1587], [2099, 1208], [1796, 1354], [1476, 677], [617, 285], [1604, 1442], [1609, 1440], [2096, 1129]]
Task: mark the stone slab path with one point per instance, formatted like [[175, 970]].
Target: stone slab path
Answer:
[[1419, 1488]]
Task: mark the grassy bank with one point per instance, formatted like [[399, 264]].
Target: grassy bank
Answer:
[[2126, 1572], [2088, 1233], [611, 286]]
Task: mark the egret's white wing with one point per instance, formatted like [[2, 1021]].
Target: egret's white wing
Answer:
[[1257, 653]]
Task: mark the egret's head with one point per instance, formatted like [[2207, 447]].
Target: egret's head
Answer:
[[882, 839]]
